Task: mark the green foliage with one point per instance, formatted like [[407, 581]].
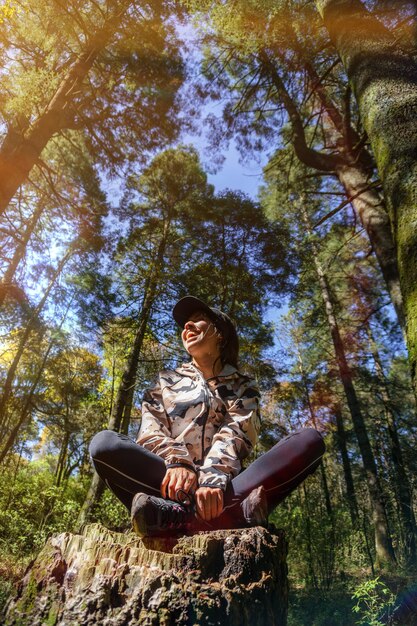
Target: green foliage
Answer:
[[32, 507], [112, 513], [318, 542], [373, 597]]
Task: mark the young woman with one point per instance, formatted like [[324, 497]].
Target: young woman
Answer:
[[199, 422]]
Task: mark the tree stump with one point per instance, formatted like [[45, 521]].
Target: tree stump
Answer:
[[235, 576]]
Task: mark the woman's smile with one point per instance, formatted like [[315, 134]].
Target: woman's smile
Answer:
[[192, 336], [191, 332]]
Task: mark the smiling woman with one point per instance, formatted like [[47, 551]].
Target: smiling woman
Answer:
[[199, 422], [201, 345]]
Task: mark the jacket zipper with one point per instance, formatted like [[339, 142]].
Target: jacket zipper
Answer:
[[206, 396]]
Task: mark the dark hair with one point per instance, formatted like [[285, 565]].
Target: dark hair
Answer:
[[229, 347]]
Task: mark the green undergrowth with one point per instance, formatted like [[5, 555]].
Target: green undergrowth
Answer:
[[321, 608], [12, 569]]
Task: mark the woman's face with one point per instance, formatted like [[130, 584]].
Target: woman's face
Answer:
[[200, 336]]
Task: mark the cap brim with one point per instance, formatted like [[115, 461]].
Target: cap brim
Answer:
[[186, 307]]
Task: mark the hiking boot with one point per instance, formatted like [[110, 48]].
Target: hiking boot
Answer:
[[255, 508], [153, 517]]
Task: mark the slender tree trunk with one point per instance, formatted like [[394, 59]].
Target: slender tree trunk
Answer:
[[123, 405], [312, 414], [26, 409], [401, 482], [384, 81], [21, 150], [120, 418], [94, 493], [6, 284], [326, 491], [33, 321], [302, 490], [383, 544], [113, 374], [62, 459], [347, 471]]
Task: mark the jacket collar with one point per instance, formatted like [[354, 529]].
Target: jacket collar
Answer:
[[189, 369]]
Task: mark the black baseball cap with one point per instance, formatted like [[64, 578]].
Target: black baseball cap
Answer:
[[188, 305]]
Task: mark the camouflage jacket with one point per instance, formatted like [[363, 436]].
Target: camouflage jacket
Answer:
[[207, 427]]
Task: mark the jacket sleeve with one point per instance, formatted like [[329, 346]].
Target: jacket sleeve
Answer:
[[155, 432], [234, 440]]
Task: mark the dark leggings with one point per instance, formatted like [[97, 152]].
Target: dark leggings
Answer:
[[127, 468]]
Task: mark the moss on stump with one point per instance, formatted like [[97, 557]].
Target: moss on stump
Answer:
[[236, 577]]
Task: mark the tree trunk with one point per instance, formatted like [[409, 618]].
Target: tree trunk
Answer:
[[383, 544], [370, 208], [25, 411], [238, 577], [123, 405], [347, 472], [120, 418], [384, 81], [312, 414], [304, 501], [94, 493], [6, 285], [401, 482], [62, 458]]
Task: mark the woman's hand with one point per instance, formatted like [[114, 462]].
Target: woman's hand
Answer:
[[178, 478], [209, 502]]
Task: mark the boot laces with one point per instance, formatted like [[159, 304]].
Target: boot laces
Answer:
[[175, 514]]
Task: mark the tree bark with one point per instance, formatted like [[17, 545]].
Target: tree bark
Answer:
[[383, 544], [238, 577], [370, 207], [384, 81]]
